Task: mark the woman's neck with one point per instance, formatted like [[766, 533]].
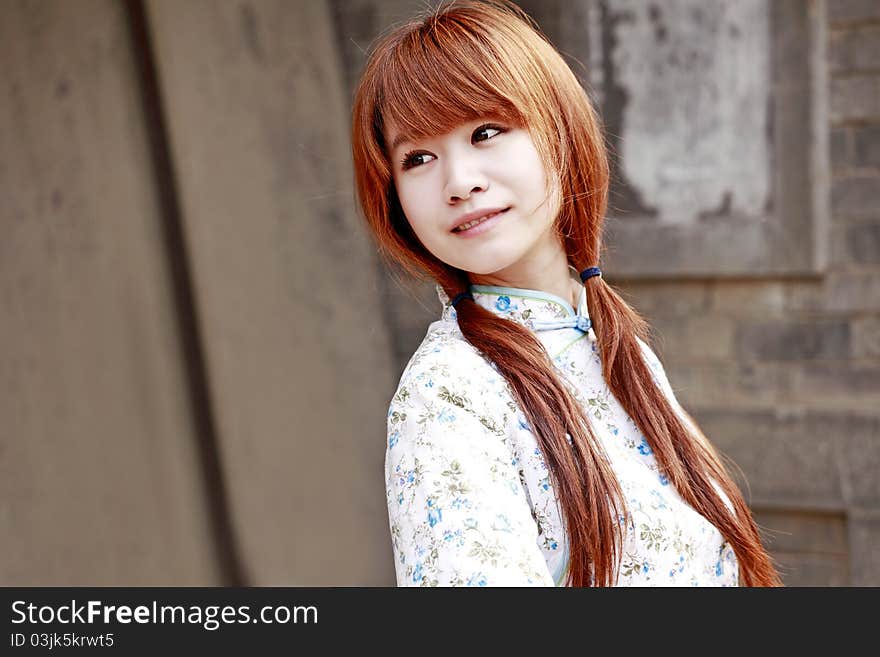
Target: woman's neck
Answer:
[[545, 269]]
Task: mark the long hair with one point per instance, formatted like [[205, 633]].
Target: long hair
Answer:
[[469, 59]]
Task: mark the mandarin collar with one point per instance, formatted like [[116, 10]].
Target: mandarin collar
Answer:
[[540, 311]]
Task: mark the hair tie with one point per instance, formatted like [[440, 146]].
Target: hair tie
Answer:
[[460, 296], [589, 272]]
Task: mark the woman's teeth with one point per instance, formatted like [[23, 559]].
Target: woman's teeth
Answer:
[[473, 223]]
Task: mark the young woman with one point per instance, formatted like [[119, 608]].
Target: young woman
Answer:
[[534, 438]]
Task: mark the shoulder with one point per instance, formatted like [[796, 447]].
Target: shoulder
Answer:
[[650, 357], [659, 374], [447, 378], [445, 357], [656, 368]]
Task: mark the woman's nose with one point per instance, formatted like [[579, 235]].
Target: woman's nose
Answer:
[[463, 178]]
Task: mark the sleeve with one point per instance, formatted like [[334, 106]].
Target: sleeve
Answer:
[[457, 510]]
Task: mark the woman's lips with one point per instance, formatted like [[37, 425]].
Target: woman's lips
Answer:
[[486, 223]]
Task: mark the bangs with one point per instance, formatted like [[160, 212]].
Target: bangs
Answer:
[[443, 74]]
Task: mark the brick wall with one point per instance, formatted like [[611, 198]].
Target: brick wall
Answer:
[[783, 374]]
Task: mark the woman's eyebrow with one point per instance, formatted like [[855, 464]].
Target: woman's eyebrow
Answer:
[[398, 140]]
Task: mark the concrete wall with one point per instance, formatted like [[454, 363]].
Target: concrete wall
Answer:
[[195, 373], [100, 477]]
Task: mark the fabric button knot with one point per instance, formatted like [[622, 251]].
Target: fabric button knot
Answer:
[[580, 322]]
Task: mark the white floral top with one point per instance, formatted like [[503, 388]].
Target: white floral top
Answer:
[[470, 501]]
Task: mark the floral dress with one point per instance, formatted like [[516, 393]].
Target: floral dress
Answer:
[[470, 499]]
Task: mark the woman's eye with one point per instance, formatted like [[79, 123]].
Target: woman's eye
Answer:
[[411, 160], [491, 130], [483, 133]]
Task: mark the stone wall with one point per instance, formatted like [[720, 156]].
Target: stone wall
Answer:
[[784, 374]]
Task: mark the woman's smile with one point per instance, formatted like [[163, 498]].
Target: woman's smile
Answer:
[[481, 225]]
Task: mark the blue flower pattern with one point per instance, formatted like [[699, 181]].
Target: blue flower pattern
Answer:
[[470, 499]]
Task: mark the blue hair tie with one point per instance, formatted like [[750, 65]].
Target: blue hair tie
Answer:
[[590, 271], [460, 296]]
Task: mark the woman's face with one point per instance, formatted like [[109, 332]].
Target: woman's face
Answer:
[[483, 165]]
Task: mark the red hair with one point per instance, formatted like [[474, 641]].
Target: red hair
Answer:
[[466, 60]]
